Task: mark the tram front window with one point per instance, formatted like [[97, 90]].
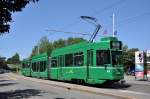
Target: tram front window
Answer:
[[102, 57], [116, 58]]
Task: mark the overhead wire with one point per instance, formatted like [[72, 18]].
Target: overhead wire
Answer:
[[94, 13], [53, 30], [132, 19], [97, 12], [108, 7]]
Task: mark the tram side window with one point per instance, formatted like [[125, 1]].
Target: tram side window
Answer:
[[78, 59], [54, 62], [33, 67], [69, 60], [41, 66], [102, 57], [37, 66], [28, 65], [44, 65], [23, 65]]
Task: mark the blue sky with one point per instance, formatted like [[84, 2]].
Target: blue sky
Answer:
[[132, 21]]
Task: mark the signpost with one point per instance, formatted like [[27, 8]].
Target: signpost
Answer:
[[139, 64], [142, 64], [148, 63]]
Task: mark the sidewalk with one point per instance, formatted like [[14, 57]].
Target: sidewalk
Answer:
[[131, 79]]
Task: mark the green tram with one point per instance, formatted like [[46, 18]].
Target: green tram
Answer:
[[93, 63], [26, 67]]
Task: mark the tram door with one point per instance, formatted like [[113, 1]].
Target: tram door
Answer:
[[60, 65], [89, 61]]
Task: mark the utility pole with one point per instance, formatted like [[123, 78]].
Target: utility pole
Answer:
[[113, 23], [38, 49]]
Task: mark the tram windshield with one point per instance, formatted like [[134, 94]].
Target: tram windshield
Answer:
[[102, 57], [116, 57]]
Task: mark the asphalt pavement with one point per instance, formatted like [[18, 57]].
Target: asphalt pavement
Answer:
[[14, 86], [17, 87]]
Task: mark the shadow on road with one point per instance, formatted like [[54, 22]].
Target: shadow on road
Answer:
[[112, 86], [6, 84], [19, 94], [59, 98], [120, 86], [4, 80]]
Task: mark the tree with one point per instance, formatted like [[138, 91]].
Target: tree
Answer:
[[7, 7], [125, 54], [34, 51], [59, 43], [129, 57], [15, 59], [2, 62], [75, 40], [45, 45]]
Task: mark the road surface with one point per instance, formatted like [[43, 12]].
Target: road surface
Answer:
[[14, 86]]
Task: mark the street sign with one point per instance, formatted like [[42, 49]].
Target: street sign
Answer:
[[139, 57]]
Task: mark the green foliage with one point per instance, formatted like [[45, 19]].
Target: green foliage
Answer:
[[125, 54], [45, 45], [59, 43], [7, 7], [34, 51], [15, 59], [74, 40], [128, 56], [2, 61]]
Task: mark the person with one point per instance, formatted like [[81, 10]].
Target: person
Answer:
[[145, 73]]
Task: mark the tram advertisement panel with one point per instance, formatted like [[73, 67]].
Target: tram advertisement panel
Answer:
[[139, 64], [148, 62]]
